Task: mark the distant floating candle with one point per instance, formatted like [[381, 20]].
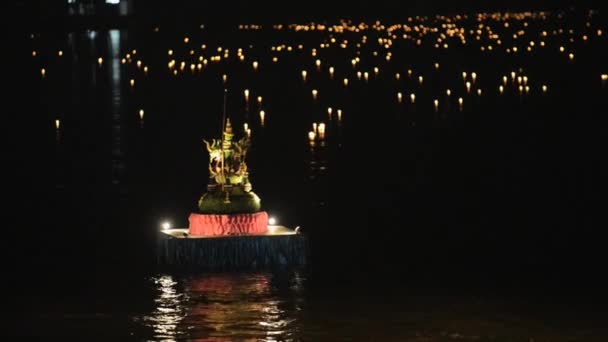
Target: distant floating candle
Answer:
[[311, 136], [132, 82], [448, 92], [57, 123], [314, 93], [413, 97], [255, 65], [399, 97], [141, 114]]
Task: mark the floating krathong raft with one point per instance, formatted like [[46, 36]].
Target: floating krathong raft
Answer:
[[230, 229]]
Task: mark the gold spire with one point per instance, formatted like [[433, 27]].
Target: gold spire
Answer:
[[228, 131]]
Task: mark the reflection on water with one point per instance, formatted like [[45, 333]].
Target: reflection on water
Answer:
[[243, 306], [118, 164]]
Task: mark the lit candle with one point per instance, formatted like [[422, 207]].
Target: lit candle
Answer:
[[314, 94], [132, 82], [468, 85], [246, 93], [436, 104], [346, 82], [331, 71], [399, 97], [448, 92], [57, 124], [314, 127], [245, 127], [464, 75], [478, 92], [34, 53], [311, 136], [501, 89], [420, 79], [473, 76], [436, 66], [255, 65], [339, 114], [544, 88], [413, 97], [409, 72], [123, 61], [224, 78], [321, 129], [504, 80], [259, 100], [571, 56], [397, 76], [460, 101], [304, 75], [366, 75], [60, 53], [141, 114], [376, 70], [262, 117], [318, 63], [43, 72], [359, 75], [170, 52], [146, 69], [329, 110]]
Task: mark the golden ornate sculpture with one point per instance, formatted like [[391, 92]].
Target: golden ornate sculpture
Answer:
[[229, 189], [227, 164]]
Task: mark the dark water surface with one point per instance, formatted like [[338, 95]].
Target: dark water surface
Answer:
[[472, 223]]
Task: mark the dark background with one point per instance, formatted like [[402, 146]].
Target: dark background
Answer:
[[539, 224]]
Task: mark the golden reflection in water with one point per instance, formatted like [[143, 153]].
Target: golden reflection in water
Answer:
[[169, 312], [241, 306]]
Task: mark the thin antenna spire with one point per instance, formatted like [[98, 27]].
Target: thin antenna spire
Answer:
[[227, 200]]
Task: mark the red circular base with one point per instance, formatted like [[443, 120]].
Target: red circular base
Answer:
[[231, 224]]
